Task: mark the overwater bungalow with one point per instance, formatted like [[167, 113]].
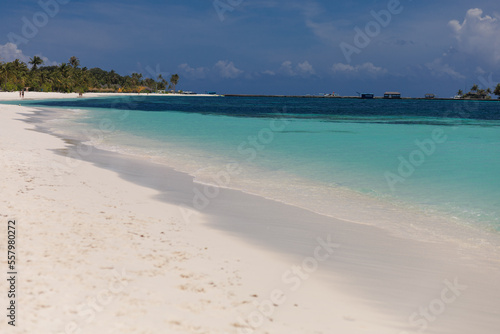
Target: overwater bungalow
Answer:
[[392, 95]]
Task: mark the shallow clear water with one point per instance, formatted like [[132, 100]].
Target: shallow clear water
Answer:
[[436, 157]]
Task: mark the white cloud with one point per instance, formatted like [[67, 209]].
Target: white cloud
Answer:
[[9, 52], [478, 36], [193, 73], [47, 62], [324, 30], [366, 68], [268, 72], [227, 69], [286, 68], [440, 69], [303, 69], [223, 68]]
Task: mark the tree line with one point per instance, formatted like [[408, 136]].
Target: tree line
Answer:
[[479, 93], [71, 77]]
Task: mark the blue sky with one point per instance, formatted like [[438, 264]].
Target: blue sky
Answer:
[[269, 47]]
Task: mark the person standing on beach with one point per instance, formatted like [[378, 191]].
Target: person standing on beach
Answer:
[[23, 93], [20, 94]]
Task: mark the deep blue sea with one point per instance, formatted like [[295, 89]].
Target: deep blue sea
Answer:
[[349, 158]]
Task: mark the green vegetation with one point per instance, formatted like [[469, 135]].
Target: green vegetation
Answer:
[[70, 77], [174, 79], [480, 94], [497, 91]]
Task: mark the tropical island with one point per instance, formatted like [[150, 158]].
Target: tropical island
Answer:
[[477, 93], [71, 77]]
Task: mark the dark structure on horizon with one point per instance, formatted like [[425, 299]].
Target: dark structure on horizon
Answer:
[[392, 95]]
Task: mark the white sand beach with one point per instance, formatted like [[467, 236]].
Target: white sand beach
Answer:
[[13, 96], [98, 253]]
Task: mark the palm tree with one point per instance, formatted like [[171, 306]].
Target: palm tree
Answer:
[[71, 77], [35, 61], [497, 91], [160, 78], [150, 83], [80, 81], [57, 79], [162, 83], [474, 88], [74, 62], [174, 79], [136, 79], [65, 77], [481, 94], [4, 75], [460, 92], [3, 70], [46, 81], [19, 71], [114, 77]]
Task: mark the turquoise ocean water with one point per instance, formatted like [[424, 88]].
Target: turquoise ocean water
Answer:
[[349, 158]]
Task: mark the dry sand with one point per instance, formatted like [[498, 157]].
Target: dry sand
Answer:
[[101, 254], [14, 96]]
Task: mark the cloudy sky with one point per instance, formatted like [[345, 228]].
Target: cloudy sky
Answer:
[[269, 47]]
